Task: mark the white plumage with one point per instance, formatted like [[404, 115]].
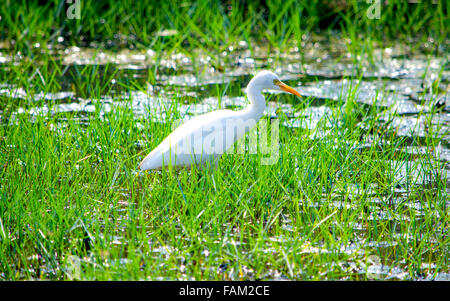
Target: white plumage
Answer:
[[208, 136]]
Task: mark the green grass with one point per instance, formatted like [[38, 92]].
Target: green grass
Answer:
[[216, 24], [66, 189], [74, 206]]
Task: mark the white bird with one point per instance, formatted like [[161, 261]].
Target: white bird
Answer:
[[208, 136]]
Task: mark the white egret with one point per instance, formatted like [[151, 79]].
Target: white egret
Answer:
[[208, 136]]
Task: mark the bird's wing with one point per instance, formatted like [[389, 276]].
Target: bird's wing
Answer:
[[213, 120]]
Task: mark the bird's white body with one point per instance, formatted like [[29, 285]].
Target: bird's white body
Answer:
[[208, 136]]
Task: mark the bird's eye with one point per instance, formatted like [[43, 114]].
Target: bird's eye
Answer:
[[276, 82]]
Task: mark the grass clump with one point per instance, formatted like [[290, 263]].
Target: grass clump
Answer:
[[215, 24]]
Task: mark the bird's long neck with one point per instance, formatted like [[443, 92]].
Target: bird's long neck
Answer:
[[257, 103]]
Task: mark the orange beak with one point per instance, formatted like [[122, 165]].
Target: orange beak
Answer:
[[286, 88]]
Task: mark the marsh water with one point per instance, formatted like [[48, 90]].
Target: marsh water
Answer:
[[408, 84]]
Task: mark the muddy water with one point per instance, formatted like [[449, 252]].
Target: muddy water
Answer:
[[410, 89]]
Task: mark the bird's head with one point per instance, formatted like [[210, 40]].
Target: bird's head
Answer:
[[267, 80]]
